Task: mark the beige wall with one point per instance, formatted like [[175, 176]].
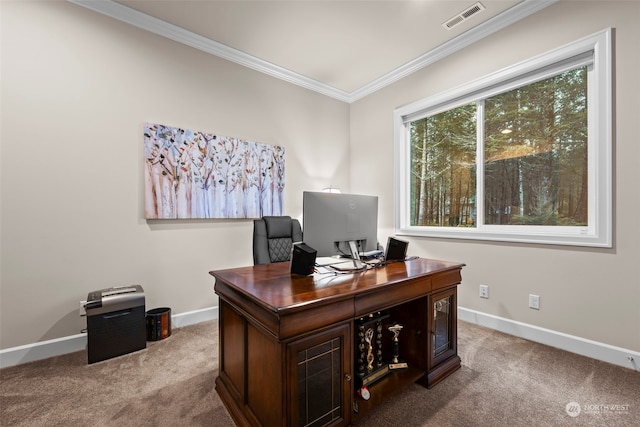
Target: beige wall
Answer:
[[590, 293], [76, 89]]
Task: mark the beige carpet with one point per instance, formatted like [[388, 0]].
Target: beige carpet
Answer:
[[170, 383], [504, 381]]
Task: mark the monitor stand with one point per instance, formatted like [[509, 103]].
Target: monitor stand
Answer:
[[353, 249], [355, 255], [354, 263]]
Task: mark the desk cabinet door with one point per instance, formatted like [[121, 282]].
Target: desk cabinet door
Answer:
[[443, 325], [320, 379]]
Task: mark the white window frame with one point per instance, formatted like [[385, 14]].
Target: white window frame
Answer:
[[596, 52]]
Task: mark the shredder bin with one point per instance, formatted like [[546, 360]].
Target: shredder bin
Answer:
[[158, 324], [115, 322]]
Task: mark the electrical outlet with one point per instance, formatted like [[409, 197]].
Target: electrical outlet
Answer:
[[534, 301], [484, 291]]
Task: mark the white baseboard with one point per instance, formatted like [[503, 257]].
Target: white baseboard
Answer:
[[59, 346], [593, 349], [41, 350], [193, 317], [596, 350]]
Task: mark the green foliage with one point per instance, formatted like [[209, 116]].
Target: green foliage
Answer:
[[535, 158]]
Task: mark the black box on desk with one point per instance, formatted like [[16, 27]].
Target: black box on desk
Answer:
[[303, 259], [116, 322]]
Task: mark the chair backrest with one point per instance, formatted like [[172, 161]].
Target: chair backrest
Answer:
[[273, 238]]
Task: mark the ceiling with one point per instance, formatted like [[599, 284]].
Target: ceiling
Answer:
[[342, 48]]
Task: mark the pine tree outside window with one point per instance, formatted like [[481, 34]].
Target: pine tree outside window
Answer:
[[521, 155]]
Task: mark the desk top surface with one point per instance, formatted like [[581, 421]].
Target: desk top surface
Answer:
[[273, 287]]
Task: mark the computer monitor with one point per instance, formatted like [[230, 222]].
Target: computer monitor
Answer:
[[340, 223]]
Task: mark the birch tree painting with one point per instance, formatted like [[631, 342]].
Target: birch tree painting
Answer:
[[191, 174]]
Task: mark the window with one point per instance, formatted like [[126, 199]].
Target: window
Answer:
[[521, 155]]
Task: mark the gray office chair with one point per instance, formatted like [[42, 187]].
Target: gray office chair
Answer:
[[273, 237]]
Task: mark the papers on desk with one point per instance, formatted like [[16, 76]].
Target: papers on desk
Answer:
[[341, 264], [351, 265], [323, 261]]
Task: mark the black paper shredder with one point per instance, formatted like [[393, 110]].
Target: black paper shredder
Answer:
[[115, 322]]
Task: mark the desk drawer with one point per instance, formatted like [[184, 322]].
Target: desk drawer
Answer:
[[390, 296], [445, 279], [315, 318]]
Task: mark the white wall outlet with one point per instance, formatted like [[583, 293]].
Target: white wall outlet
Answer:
[[484, 291], [534, 301], [83, 311]]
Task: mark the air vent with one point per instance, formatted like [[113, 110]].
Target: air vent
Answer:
[[464, 15]]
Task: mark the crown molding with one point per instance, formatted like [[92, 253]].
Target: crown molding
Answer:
[[498, 22], [173, 32], [180, 35]]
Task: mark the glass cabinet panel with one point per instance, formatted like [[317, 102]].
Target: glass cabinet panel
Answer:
[[441, 326], [320, 369], [319, 380]]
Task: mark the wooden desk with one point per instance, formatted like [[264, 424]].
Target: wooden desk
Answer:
[[289, 343]]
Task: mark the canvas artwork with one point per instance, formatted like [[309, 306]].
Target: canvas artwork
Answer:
[[191, 174]]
